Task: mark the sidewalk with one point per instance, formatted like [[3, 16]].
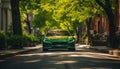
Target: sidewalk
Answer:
[[10, 53], [102, 49], [105, 49]]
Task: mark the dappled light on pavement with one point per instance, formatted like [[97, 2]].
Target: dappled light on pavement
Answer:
[[82, 58]]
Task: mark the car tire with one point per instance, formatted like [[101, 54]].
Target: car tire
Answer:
[[71, 49], [45, 49]]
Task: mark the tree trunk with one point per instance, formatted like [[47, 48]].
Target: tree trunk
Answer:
[[112, 30], [28, 24], [17, 30], [88, 23], [77, 28]]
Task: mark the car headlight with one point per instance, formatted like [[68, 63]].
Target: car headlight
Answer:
[[46, 41], [71, 41]]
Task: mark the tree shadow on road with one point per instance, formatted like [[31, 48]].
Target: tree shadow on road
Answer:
[[61, 59]]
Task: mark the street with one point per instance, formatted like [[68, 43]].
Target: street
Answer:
[[30, 29], [82, 58]]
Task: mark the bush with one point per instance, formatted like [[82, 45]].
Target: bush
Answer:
[[99, 40], [15, 41], [30, 40], [97, 36], [2, 40], [99, 43]]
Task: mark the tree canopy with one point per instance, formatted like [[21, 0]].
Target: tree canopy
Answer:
[[64, 12], [67, 14]]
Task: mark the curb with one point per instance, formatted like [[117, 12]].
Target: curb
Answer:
[[107, 51], [100, 50], [13, 54]]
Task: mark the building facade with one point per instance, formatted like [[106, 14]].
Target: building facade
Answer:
[[117, 14], [101, 23], [5, 15]]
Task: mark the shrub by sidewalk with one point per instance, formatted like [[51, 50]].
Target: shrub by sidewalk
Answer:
[[10, 41], [2, 40]]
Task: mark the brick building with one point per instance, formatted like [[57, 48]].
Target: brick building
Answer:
[[101, 23], [117, 15]]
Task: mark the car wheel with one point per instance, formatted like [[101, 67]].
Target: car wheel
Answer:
[[71, 49], [45, 49]]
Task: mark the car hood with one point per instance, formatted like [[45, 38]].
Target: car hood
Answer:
[[58, 38]]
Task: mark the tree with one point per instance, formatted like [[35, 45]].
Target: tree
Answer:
[[17, 30], [71, 12], [42, 22], [27, 7], [107, 6]]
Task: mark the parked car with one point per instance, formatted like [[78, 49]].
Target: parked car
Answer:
[[58, 39]]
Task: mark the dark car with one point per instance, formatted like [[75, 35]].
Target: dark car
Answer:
[[58, 39]]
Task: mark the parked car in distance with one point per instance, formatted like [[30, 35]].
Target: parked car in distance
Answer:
[[58, 39]]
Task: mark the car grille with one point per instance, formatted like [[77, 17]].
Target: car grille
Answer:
[[59, 43]]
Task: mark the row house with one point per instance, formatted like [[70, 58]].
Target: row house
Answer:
[[117, 15], [101, 23], [5, 15]]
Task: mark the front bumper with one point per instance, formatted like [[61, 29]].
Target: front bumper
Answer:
[[58, 45]]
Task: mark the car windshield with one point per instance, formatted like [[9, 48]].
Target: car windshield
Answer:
[[58, 33]]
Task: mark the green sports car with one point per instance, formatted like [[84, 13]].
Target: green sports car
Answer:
[[58, 39]]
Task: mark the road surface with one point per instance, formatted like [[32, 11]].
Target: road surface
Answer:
[[82, 58]]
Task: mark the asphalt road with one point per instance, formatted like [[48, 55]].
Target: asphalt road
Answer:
[[82, 58]]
